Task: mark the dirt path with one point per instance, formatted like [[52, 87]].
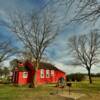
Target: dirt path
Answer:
[[91, 96], [80, 96]]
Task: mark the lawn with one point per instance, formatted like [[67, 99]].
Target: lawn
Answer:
[[92, 91], [10, 92], [86, 87]]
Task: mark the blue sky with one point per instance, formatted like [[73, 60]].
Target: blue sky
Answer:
[[57, 52]]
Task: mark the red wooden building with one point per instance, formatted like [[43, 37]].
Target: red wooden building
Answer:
[[47, 73]]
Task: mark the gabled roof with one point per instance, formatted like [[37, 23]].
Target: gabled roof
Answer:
[[28, 65], [45, 65]]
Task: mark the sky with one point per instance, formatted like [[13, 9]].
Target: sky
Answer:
[[57, 52]]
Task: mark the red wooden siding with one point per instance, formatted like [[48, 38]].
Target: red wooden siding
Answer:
[[49, 76], [51, 79], [22, 80]]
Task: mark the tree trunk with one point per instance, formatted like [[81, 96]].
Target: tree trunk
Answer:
[[89, 75], [34, 82]]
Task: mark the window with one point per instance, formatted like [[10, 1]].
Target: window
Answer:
[[42, 73], [25, 74], [47, 73], [52, 72]]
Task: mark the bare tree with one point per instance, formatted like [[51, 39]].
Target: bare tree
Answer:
[[85, 50], [13, 64], [6, 50], [36, 31], [87, 11]]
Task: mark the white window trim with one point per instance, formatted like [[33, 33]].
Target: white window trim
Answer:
[[41, 73], [47, 73], [25, 74]]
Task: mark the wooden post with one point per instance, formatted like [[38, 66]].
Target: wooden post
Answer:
[[69, 85]]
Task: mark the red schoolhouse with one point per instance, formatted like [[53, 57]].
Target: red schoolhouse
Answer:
[[46, 73]]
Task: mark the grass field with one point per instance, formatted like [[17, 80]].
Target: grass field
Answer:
[[92, 91], [10, 92]]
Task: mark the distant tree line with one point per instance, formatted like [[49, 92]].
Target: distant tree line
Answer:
[[79, 76], [95, 75], [75, 77], [4, 72]]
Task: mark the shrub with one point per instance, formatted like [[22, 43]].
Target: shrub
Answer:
[[78, 77]]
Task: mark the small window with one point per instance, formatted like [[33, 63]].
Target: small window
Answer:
[[25, 74], [52, 72], [42, 73], [47, 74]]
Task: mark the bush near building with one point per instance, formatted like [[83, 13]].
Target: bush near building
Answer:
[[4, 75], [75, 77]]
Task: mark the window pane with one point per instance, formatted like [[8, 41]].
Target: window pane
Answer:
[[25, 74], [42, 73], [47, 73]]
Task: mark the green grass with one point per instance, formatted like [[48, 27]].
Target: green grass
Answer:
[[84, 85], [95, 87], [10, 92]]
